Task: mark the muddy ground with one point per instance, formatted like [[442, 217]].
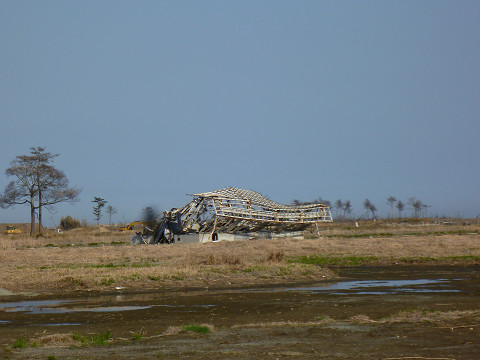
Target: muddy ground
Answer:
[[368, 312]]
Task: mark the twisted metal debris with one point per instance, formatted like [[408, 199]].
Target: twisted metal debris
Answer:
[[233, 210]]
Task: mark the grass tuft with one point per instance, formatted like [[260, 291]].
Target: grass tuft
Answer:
[[20, 343], [196, 328], [99, 339], [137, 335]]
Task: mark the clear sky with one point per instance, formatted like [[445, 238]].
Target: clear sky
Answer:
[[147, 101]]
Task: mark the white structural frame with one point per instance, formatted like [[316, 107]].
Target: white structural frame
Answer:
[[235, 210]]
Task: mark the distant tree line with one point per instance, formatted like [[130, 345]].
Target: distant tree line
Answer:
[[342, 209]]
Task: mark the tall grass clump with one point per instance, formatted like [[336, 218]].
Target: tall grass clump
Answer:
[[276, 256], [223, 259]]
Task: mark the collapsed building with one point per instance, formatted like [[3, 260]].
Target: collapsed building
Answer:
[[232, 214]]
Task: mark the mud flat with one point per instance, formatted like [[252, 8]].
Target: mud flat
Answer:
[[368, 312]]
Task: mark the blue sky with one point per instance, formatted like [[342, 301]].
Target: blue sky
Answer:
[[147, 101]]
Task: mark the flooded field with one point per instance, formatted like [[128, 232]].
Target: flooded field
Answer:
[[404, 312]]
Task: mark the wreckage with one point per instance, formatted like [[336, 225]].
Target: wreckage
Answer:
[[232, 213]]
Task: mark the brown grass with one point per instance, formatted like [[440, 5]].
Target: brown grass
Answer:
[[101, 260], [282, 324], [422, 316], [75, 237], [56, 340], [406, 316]]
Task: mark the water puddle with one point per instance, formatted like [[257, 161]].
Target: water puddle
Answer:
[[97, 305], [373, 287], [76, 306], [183, 304]]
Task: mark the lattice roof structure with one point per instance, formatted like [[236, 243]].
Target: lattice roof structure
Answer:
[[236, 210]]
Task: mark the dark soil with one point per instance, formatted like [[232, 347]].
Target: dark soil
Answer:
[[437, 320]]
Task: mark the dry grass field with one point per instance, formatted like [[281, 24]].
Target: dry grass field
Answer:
[[101, 259]]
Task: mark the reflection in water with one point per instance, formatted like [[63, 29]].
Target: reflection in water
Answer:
[[59, 324], [362, 287], [83, 305]]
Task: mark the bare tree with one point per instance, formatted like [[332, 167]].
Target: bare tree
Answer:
[[416, 205], [39, 184], [400, 206], [369, 206], [347, 207], [391, 201], [338, 206], [53, 189], [110, 210], [425, 207], [322, 201]]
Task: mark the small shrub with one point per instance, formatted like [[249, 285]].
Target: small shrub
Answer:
[[69, 223]]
